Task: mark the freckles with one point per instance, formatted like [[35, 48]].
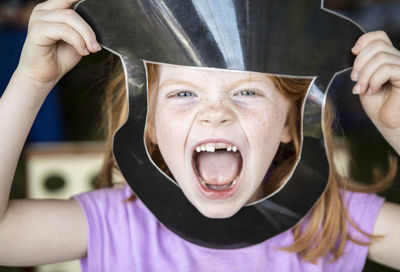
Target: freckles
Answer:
[[170, 125], [163, 122], [262, 125], [165, 131]]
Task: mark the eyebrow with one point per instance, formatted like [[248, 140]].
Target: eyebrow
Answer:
[[254, 78], [178, 82]]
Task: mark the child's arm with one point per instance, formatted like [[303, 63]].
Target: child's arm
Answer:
[[377, 72], [34, 232]]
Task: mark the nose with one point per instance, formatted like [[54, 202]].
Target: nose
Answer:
[[215, 113]]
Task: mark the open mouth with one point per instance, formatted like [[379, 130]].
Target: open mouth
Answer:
[[217, 166]]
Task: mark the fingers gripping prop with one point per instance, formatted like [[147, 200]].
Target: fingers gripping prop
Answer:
[[295, 38]]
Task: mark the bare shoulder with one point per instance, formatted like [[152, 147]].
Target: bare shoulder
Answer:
[[386, 249], [42, 231]]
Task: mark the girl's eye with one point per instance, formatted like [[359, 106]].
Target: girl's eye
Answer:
[[184, 94], [247, 93]]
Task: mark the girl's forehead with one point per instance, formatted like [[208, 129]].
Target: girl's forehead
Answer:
[[168, 72]]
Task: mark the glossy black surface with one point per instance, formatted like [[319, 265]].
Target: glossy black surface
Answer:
[[292, 37]]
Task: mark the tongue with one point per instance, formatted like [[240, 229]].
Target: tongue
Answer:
[[219, 167]]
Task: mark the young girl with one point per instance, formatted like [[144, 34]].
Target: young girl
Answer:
[[112, 234]]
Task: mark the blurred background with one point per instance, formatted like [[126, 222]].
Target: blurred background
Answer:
[[64, 150]]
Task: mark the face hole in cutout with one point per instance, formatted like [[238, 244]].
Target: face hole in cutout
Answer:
[[284, 160]]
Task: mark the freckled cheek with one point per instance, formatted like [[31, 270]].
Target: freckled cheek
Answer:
[[262, 126], [171, 127]]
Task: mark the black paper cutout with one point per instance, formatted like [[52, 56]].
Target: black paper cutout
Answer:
[[298, 38]]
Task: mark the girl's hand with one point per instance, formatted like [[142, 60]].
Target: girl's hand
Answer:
[[377, 72], [57, 39]]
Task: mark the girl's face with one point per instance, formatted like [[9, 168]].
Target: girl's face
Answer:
[[218, 132]]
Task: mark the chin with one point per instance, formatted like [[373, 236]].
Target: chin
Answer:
[[217, 211]]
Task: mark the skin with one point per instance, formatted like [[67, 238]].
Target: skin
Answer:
[[194, 105], [378, 62], [57, 39]]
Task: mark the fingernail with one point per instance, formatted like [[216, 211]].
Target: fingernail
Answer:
[[354, 76], [356, 48], [356, 89], [96, 46], [86, 51]]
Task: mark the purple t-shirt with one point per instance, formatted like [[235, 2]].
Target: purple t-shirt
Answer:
[[125, 236]]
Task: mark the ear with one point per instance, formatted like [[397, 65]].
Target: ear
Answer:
[[150, 130], [150, 126], [153, 137], [286, 135]]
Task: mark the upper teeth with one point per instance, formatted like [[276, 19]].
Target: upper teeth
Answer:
[[211, 147]]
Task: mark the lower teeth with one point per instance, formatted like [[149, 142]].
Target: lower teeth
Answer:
[[219, 187]]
